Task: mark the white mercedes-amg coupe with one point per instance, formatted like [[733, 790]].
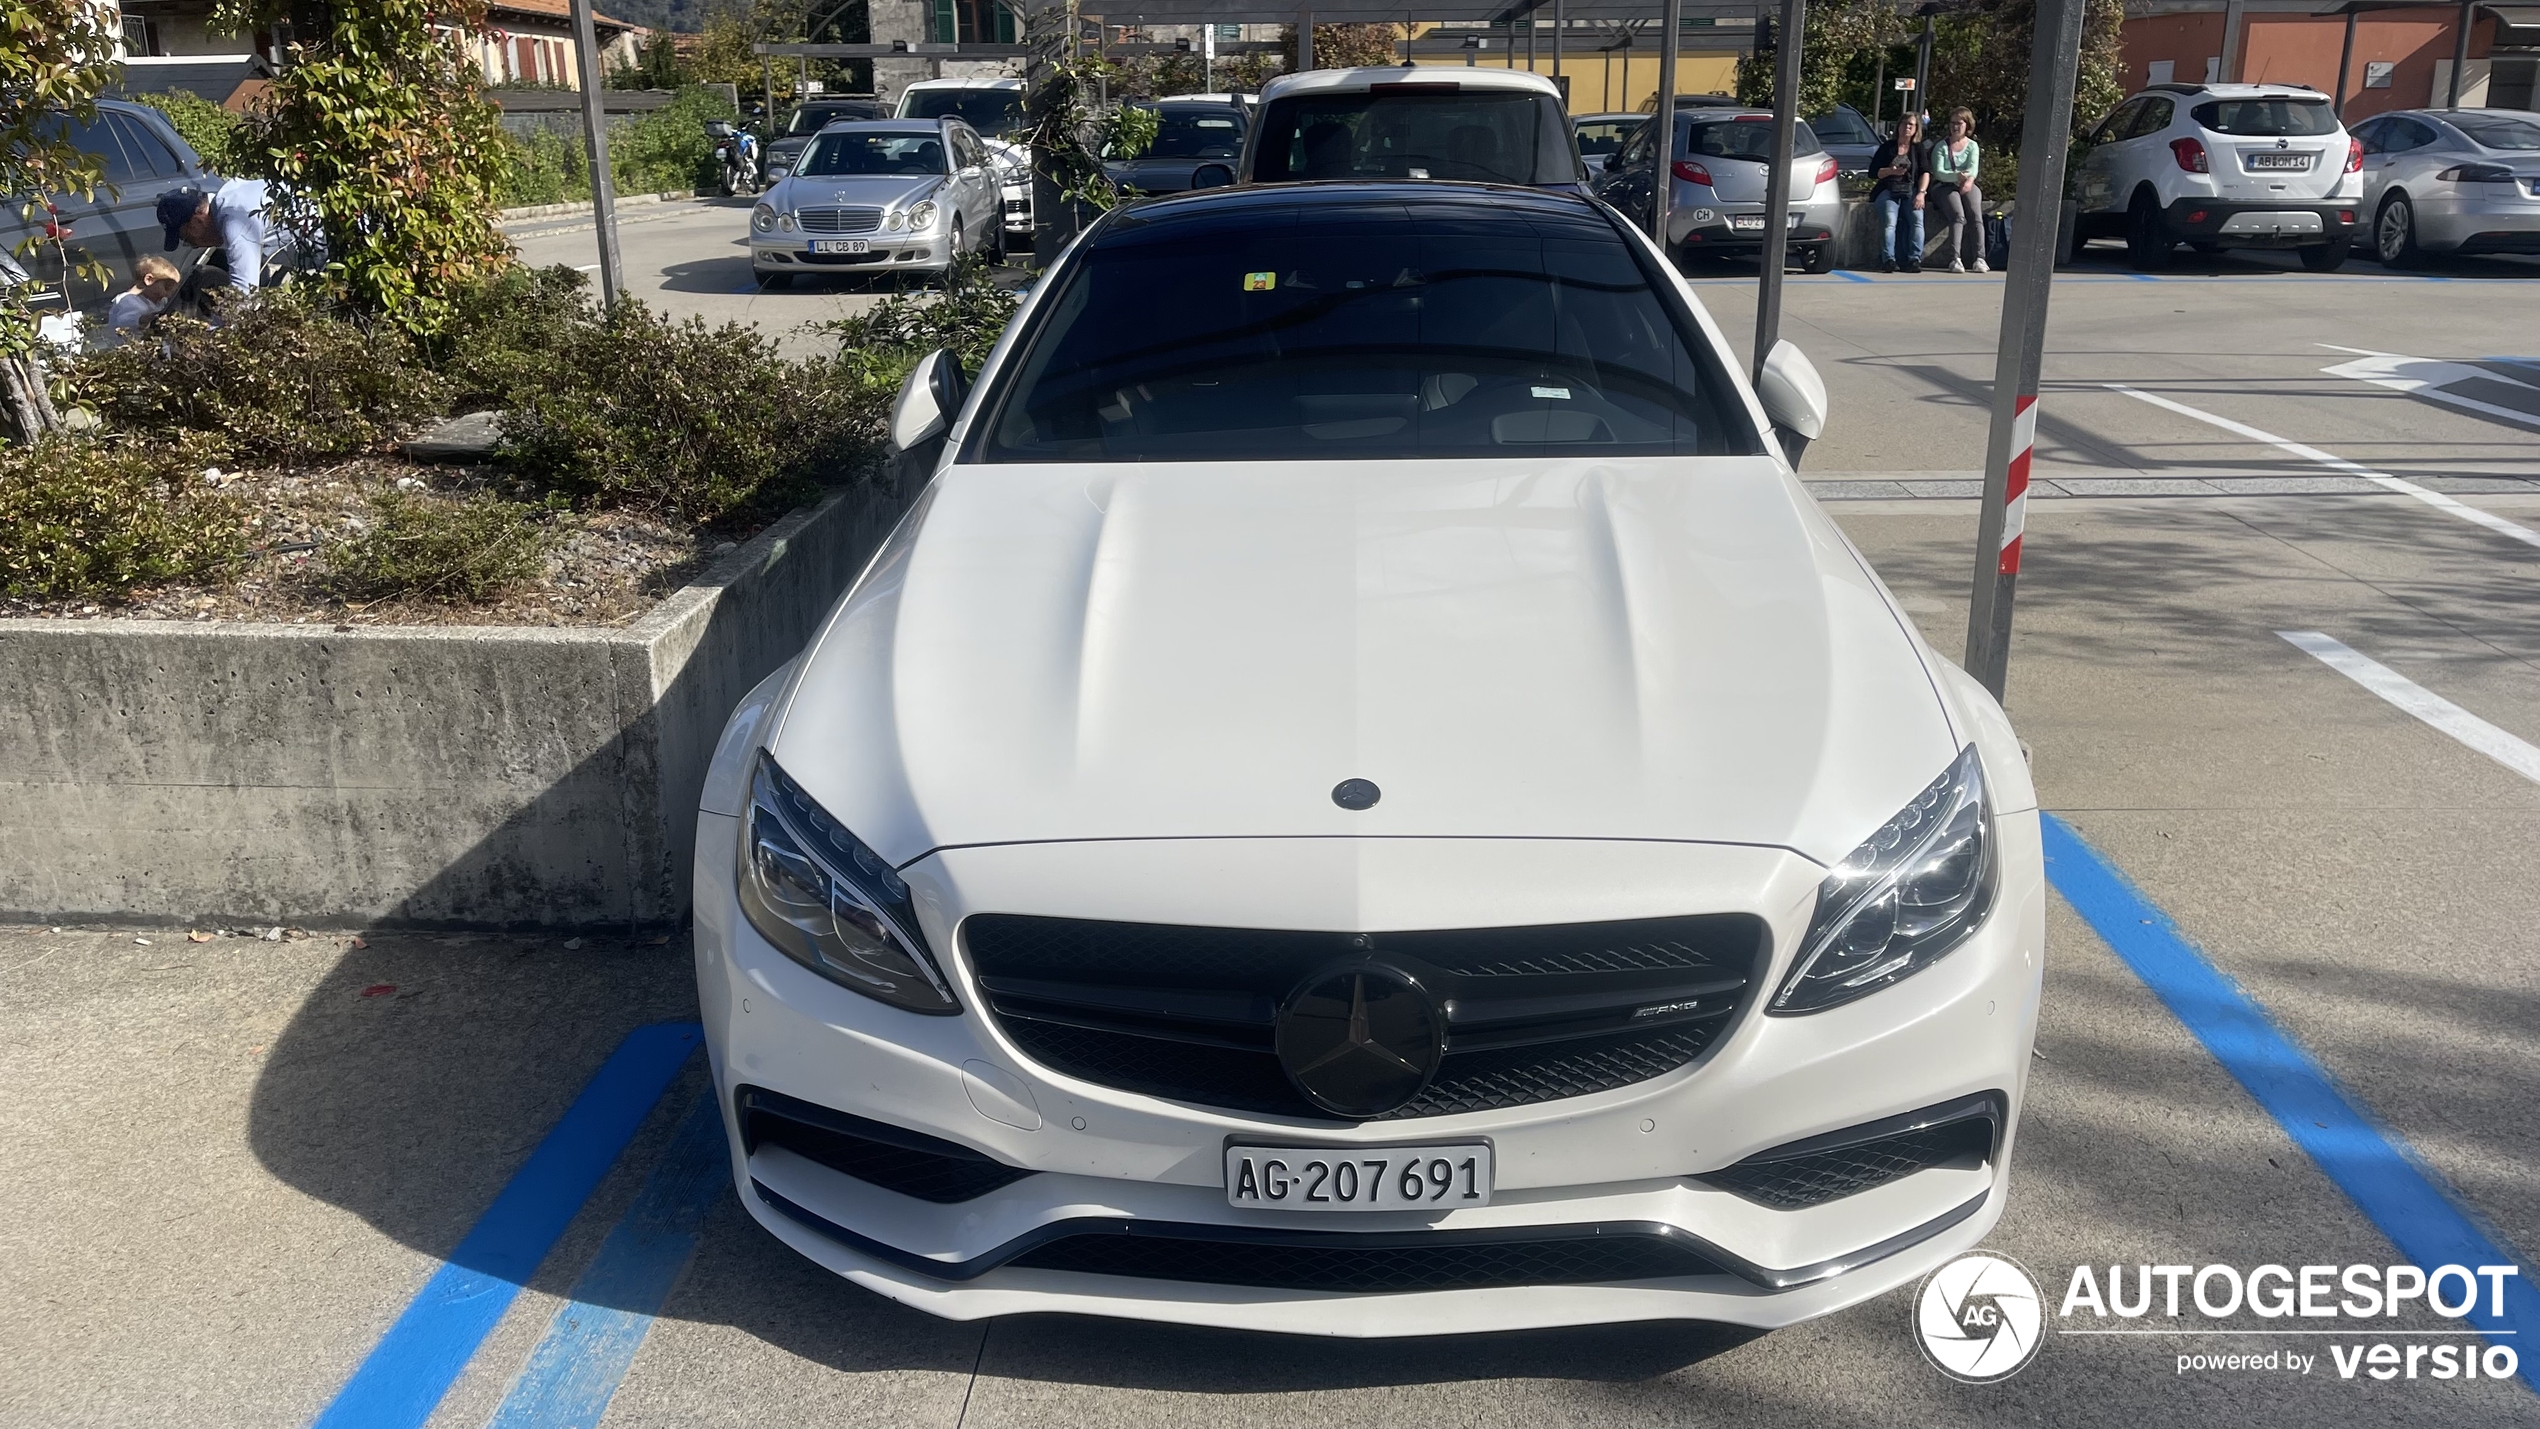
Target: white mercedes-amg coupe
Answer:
[[1363, 798]]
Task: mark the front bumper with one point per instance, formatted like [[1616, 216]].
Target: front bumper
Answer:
[[2235, 223], [791, 253], [1117, 1163], [1017, 200]]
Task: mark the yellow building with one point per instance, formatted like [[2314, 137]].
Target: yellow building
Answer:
[[1602, 81]]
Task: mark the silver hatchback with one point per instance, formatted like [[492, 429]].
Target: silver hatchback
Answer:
[[1720, 172], [2451, 181]]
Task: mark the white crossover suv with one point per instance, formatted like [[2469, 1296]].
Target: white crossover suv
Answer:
[[2220, 166], [1364, 798]]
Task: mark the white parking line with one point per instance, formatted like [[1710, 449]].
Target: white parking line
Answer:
[[2430, 378], [2383, 479], [2513, 753]]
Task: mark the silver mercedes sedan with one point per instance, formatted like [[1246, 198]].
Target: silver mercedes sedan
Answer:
[[2451, 181], [895, 195]]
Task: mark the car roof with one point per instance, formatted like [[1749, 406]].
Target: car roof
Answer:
[[2238, 91], [1443, 77], [1502, 202], [887, 126], [1603, 118], [968, 82]]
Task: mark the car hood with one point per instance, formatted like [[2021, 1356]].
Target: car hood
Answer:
[[865, 191], [1675, 649]]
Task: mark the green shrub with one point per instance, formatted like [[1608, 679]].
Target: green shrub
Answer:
[[668, 150], [681, 418], [80, 517], [440, 548], [543, 168], [507, 336], [967, 316], [212, 130], [281, 378]]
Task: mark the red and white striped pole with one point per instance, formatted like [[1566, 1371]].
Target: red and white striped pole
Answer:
[[2053, 58]]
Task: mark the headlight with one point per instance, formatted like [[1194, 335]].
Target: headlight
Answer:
[[894, 222], [828, 902], [922, 217], [763, 218], [1904, 898], [785, 222]]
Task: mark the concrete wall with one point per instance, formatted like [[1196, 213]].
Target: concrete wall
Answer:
[[460, 776]]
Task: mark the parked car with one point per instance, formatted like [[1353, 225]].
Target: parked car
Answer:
[[1405, 122], [1364, 789], [1721, 174], [993, 107], [1600, 135], [2451, 181], [881, 195], [2219, 166], [1849, 135], [1191, 130], [141, 158], [809, 118]]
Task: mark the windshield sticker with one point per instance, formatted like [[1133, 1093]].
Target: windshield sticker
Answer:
[[1557, 393], [1260, 282]]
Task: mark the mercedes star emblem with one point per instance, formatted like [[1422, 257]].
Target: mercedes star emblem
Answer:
[[1360, 1040]]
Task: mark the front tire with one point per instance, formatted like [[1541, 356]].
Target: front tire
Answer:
[[2394, 234], [2147, 235], [2327, 257]]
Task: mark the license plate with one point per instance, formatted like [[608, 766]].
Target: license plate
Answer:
[[1746, 222], [842, 245], [1361, 1178], [2296, 162]]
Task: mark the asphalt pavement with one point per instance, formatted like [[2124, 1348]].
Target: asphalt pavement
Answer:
[[243, 1166]]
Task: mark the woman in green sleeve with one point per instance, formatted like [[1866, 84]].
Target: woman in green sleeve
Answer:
[[1951, 177]]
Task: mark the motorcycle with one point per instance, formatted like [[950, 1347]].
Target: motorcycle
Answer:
[[737, 152]]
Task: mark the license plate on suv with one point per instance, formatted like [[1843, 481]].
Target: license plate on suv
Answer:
[[2296, 163], [1359, 1178], [842, 245]]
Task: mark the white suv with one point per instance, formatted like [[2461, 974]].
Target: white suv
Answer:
[[2220, 166]]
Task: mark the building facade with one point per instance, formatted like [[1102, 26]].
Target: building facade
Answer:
[[2400, 56]]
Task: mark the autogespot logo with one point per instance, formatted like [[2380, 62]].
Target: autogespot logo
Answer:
[[1979, 1318]]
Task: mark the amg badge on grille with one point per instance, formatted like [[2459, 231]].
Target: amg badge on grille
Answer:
[[1360, 1040]]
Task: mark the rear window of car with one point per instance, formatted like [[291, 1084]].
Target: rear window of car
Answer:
[[1417, 131], [2497, 131], [990, 111], [2271, 118], [1192, 133], [811, 118], [1843, 127], [1748, 138], [1367, 329], [842, 155]]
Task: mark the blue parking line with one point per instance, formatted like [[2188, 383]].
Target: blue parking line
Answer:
[[578, 1365], [415, 1363], [2376, 1169], [1849, 276]]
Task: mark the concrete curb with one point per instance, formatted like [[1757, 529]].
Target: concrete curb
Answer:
[[552, 210], [463, 776]]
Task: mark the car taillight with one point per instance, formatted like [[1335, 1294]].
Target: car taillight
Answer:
[[2477, 174], [2190, 154], [1825, 170], [1693, 173], [2354, 155]]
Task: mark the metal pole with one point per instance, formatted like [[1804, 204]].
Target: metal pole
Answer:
[[1530, 43], [1560, 32], [2020, 351], [1768, 292], [1304, 41], [767, 82], [2460, 50], [595, 143], [1921, 102], [1878, 91], [1662, 151], [2345, 63]]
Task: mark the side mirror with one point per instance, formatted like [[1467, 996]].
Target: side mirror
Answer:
[[1794, 399], [1212, 176], [929, 398]]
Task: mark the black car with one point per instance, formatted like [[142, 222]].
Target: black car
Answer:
[[1189, 132], [141, 157], [809, 118]]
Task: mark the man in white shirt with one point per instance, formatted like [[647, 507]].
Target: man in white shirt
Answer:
[[233, 218]]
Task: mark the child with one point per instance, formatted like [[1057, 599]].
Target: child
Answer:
[[154, 284]]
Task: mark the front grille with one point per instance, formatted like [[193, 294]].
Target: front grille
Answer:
[[1342, 1261], [893, 1158], [839, 259], [1843, 1163], [1532, 1014], [838, 220]]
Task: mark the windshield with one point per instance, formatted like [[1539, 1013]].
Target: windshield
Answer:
[[832, 155], [2497, 131], [812, 118], [1843, 127], [2275, 118], [1369, 329], [1196, 134], [990, 111], [1746, 139], [1426, 131]]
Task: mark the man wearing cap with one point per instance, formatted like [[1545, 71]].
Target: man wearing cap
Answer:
[[232, 219]]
